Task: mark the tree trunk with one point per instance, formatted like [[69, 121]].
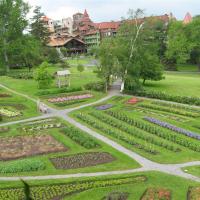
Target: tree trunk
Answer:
[[6, 57], [144, 81]]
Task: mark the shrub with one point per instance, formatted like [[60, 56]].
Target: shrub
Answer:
[[96, 86], [21, 75], [21, 166]]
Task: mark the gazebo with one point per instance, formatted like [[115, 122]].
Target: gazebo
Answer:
[[63, 78]]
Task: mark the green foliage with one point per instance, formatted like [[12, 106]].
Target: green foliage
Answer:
[[27, 191], [43, 76], [51, 55], [21, 166], [80, 68], [96, 86], [80, 137]]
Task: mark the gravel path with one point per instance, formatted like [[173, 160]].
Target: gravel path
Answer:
[[146, 165]]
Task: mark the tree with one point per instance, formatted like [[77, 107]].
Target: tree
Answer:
[[43, 76], [51, 55], [80, 68], [38, 28], [12, 22]]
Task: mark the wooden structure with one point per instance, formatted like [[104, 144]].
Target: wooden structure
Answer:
[[63, 78]]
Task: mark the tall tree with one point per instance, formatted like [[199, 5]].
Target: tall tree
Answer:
[[38, 27], [12, 22]]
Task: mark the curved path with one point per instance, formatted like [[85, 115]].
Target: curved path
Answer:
[[147, 165]]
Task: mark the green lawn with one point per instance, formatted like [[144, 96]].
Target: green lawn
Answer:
[[178, 187], [162, 154], [187, 68], [175, 83], [121, 161], [194, 170], [76, 61]]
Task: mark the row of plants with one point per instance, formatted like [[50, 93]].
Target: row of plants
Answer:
[[70, 98], [104, 107], [156, 194], [168, 97], [149, 112], [116, 134], [170, 110], [21, 75], [82, 160], [177, 106], [80, 137], [8, 113], [21, 166], [155, 130], [173, 128], [41, 121], [68, 103], [4, 95], [116, 196], [17, 106], [59, 191], [134, 132], [40, 127], [193, 193], [58, 91], [4, 129]]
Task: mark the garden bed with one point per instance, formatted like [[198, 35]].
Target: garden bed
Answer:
[[193, 193], [23, 146], [156, 194], [82, 160], [116, 196]]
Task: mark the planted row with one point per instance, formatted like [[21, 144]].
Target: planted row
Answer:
[[134, 132], [80, 137], [59, 191], [155, 130], [116, 134], [173, 128], [170, 110], [9, 113]]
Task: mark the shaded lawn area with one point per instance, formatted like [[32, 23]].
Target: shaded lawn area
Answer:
[[76, 61], [194, 170], [187, 68], [30, 86], [186, 84]]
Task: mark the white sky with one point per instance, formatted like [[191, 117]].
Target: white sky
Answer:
[[107, 10]]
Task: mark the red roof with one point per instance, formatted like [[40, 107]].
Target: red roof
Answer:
[[45, 18], [107, 25], [188, 18]]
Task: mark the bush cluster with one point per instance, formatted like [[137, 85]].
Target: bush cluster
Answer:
[[96, 86], [156, 131], [21, 75], [168, 97], [80, 137]]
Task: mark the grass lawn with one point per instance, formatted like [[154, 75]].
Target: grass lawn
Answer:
[[187, 68], [175, 83], [143, 138], [76, 61], [15, 103], [194, 170], [120, 161], [178, 187]]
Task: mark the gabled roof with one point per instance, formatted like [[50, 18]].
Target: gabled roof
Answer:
[[188, 18], [107, 25]]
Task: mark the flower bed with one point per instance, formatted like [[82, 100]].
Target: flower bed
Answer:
[[80, 137], [4, 129], [104, 107], [4, 95], [155, 131], [82, 160], [170, 110], [156, 194], [70, 98], [115, 134], [133, 101], [116, 196], [134, 132], [24, 146], [59, 191], [173, 128], [9, 113], [21, 166], [193, 193]]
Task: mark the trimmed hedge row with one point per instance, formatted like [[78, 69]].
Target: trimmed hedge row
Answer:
[[170, 110], [134, 132], [80, 137], [168, 97], [155, 130], [116, 134]]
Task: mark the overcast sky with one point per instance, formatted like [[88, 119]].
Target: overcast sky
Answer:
[[107, 10]]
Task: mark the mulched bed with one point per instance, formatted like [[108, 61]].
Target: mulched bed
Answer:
[[193, 193], [116, 196], [4, 95], [104, 107], [23, 146], [82, 160], [156, 194], [133, 101]]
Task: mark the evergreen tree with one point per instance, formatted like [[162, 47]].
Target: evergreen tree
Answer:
[[38, 28]]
